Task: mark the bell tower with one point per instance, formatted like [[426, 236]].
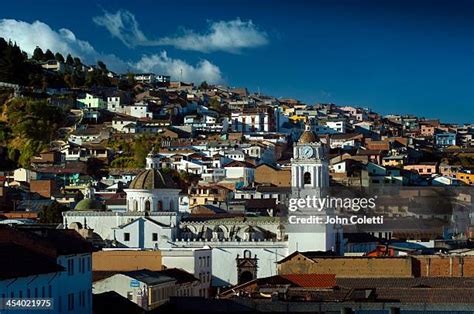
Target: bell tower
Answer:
[[309, 166], [310, 179]]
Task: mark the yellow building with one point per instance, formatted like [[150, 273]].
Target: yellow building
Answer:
[[465, 177]]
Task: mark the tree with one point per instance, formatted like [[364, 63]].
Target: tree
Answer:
[[33, 125], [128, 83], [48, 55], [204, 85], [69, 59], [52, 213], [59, 57], [38, 54], [77, 62], [13, 65], [102, 66]]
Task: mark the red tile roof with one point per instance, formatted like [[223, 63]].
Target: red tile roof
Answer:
[[312, 280]]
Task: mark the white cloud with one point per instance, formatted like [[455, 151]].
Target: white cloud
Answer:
[[123, 26], [30, 35], [230, 36], [161, 63]]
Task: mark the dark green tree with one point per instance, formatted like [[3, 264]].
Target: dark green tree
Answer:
[[102, 66], [13, 66], [69, 59], [38, 54], [52, 213], [48, 55], [204, 85], [59, 57], [77, 62]]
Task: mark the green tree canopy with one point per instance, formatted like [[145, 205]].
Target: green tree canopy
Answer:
[[52, 213], [59, 57], [48, 55], [38, 54], [69, 59]]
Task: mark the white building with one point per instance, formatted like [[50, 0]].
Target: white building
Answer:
[[148, 289], [92, 102], [139, 110], [252, 120], [61, 268], [196, 261], [243, 248]]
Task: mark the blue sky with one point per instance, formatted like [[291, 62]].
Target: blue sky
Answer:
[[393, 56]]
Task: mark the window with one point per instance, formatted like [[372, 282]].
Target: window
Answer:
[[154, 237], [307, 178], [126, 236], [70, 301], [80, 264], [83, 298], [70, 267]]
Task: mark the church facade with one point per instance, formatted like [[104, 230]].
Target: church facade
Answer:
[[243, 248]]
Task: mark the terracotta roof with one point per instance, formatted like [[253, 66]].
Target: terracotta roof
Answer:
[[312, 280]]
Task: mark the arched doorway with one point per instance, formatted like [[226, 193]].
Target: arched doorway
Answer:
[[246, 267], [147, 206], [246, 276], [307, 178]]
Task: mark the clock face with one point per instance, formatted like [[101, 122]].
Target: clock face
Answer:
[[306, 152]]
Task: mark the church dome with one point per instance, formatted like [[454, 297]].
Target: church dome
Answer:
[[308, 137], [88, 204], [152, 179]]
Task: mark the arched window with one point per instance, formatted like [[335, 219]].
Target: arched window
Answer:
[[171, 205], [307, 178], [147, 206], [160, 205], [135, 205]]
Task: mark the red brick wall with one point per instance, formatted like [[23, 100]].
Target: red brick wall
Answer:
[[268, 175], [42, 187], [446, 266]]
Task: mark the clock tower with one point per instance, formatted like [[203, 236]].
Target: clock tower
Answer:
[[310, 179], [309, 166]]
